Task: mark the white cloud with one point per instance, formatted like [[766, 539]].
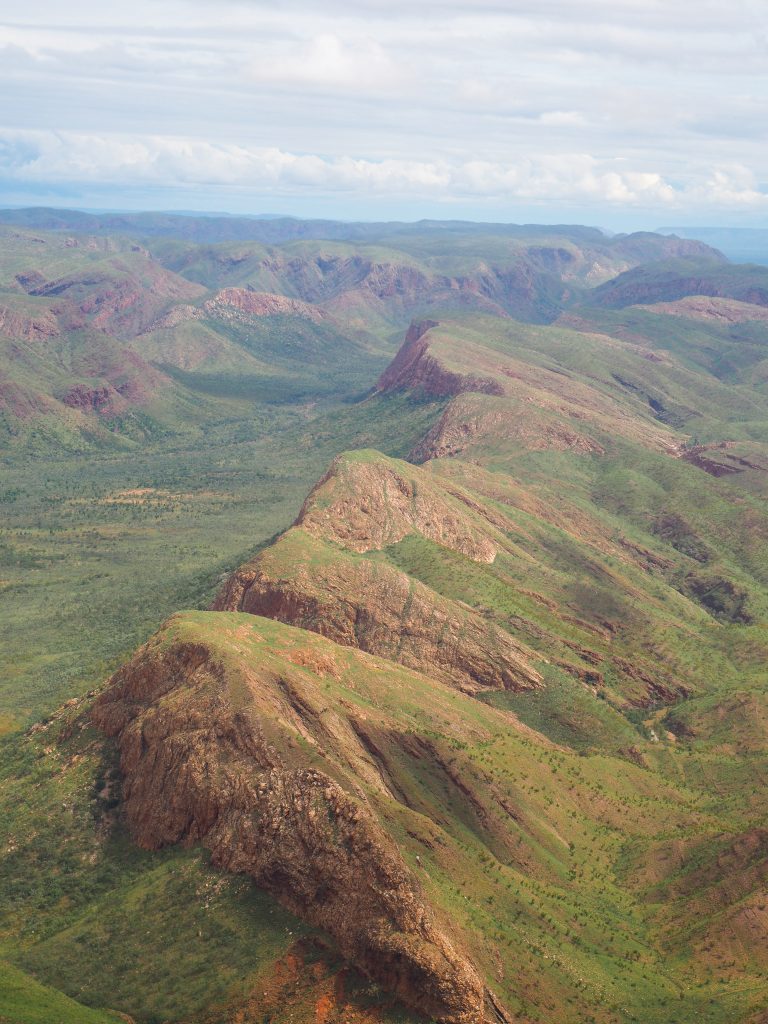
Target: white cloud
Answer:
[[327, 60], [44, 157], [440, 98]]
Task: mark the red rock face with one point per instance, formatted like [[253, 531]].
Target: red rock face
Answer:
[[382, 611], [122, 300], [104, 399], [466, 422], [29, 328], [367, 504], [262, 304], [198, 768], [413, 368]]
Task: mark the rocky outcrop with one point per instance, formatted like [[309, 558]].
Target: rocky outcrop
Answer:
[[510, 405], [252, 303], [415, 368], [470, 420], [366, 502], [710, 310], [18, 325], [719, 459], [311, 578], [371, 605], [667, 283], [122, 298], [103, 399], [209, 753]]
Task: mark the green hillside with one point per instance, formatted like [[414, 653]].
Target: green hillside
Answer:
[[478, 728]]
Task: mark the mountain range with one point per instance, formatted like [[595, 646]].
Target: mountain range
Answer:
[[388, 623]]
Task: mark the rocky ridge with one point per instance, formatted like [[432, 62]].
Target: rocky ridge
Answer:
[[211, 750], [311, 578]]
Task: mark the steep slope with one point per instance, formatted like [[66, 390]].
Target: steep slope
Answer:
[[295, 760], [106, 340], [211, 749], [390, 274], [491, 726], [66, 308], [101, 346], [538, 387], [310, 577], [671, 280]]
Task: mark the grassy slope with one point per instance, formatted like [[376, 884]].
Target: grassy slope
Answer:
[[93, 555], [546, 900], [25, 1001], [166, 549]]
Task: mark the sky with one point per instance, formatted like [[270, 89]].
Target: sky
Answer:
[[620, 113]]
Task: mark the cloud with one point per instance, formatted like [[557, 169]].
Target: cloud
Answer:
[[48, 157], [327, 60], [635, 102]]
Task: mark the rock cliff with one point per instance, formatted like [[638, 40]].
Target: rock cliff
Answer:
[[373, 606], [226, 743]]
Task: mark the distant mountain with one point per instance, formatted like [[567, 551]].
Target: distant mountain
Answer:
[[106, 339], [269, 229], [744, 245], [667, 281]]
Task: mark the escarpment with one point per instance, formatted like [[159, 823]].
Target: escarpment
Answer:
[[221, 742], [366, 502], [416, 368], [499, 399], [375, 607], [252, 303], [470, 421]]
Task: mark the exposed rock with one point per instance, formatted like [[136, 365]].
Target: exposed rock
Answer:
[[181, 314], [671, 284], [376, 608], [415, 368], [30, 279], [365, 502], [710, 309], [122, 298], [470, 420], [208, 753], [718, 459], [103, 399], [14, 324], [253, 303], [724, 599]]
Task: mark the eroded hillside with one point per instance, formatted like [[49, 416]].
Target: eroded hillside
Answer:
[[480, 736]]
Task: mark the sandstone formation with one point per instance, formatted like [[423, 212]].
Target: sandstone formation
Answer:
[[252, 303], [311, 578], [366, 502], [373, 606], [711, 309], [416, 368], [216, 741], [471, 420]]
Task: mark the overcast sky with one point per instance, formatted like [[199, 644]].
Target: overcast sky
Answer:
[[622, 113]]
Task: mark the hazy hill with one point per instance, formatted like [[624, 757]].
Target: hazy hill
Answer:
[[744, 245]]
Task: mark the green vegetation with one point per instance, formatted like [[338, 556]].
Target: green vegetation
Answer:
[[598, 842], [25, 1001], [93, 555]]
